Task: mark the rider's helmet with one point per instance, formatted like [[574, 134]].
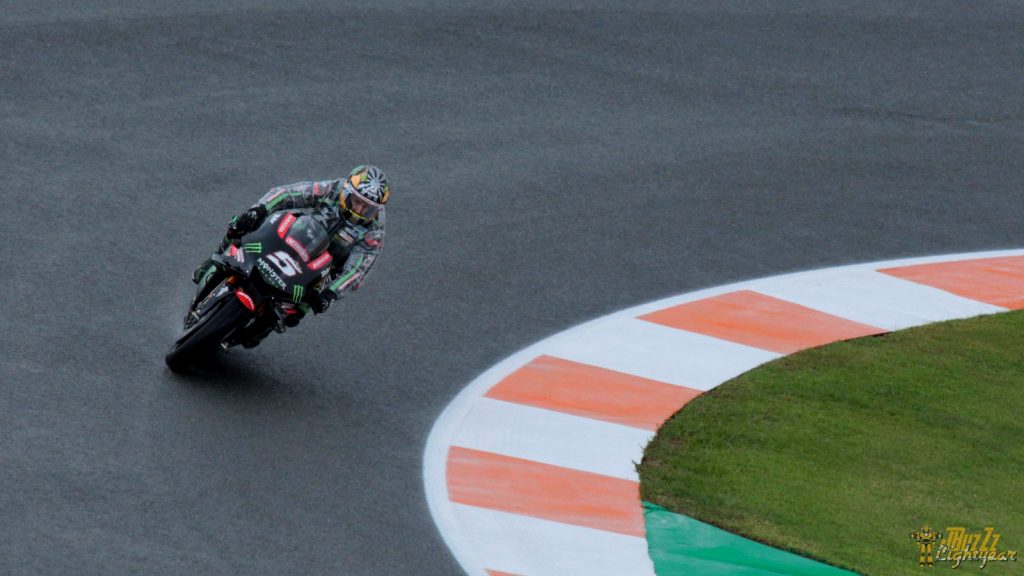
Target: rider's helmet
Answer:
[[364, 193]]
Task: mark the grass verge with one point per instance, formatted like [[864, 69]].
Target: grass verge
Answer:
[[839, 453]]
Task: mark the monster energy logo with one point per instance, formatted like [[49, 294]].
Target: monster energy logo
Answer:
[[270, 275], [254, 247], [297, 292]]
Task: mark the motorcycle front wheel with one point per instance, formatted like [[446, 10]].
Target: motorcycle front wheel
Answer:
[[204, 336]]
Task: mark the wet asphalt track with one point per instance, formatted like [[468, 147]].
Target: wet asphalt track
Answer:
[[549, 164]]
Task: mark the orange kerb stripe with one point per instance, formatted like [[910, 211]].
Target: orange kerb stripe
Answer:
[[760, 321], [997, 281], [496, 573], [518, 486], [592, 392]]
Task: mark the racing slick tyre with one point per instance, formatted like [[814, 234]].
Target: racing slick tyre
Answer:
[[204, 336]]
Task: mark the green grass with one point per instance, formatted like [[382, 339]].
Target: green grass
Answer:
[[840, 452]]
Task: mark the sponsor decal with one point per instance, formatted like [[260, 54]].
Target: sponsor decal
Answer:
[[269, 272], [959, 545], [285, 224], [298, 247], [275, 217], [320, 262], [253, 247]]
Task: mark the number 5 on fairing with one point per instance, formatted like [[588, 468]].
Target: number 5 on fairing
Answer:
[[285, 263]]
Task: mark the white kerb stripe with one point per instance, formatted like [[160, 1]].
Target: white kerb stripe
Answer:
[[659, 353], [534, 547], [552, 438], [482, 538], [876, 299]]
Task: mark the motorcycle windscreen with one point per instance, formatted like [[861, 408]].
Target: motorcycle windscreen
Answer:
[[306, 237]]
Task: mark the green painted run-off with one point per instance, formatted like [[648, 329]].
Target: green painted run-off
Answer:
[[680, 546]]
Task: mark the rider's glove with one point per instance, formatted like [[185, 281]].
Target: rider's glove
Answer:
[[320, 302], [248, 220]]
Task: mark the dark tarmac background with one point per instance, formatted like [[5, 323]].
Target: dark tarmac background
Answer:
[[550, 164]]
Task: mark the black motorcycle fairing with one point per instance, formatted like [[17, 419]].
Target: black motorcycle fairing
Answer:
[[259, 283], [287, 251]]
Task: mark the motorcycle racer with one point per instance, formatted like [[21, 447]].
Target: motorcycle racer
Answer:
[[354, 206]]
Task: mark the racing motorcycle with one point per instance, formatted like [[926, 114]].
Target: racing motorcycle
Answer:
[[257, 283]]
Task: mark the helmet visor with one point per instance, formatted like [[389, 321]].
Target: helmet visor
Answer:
[[358, 206]]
